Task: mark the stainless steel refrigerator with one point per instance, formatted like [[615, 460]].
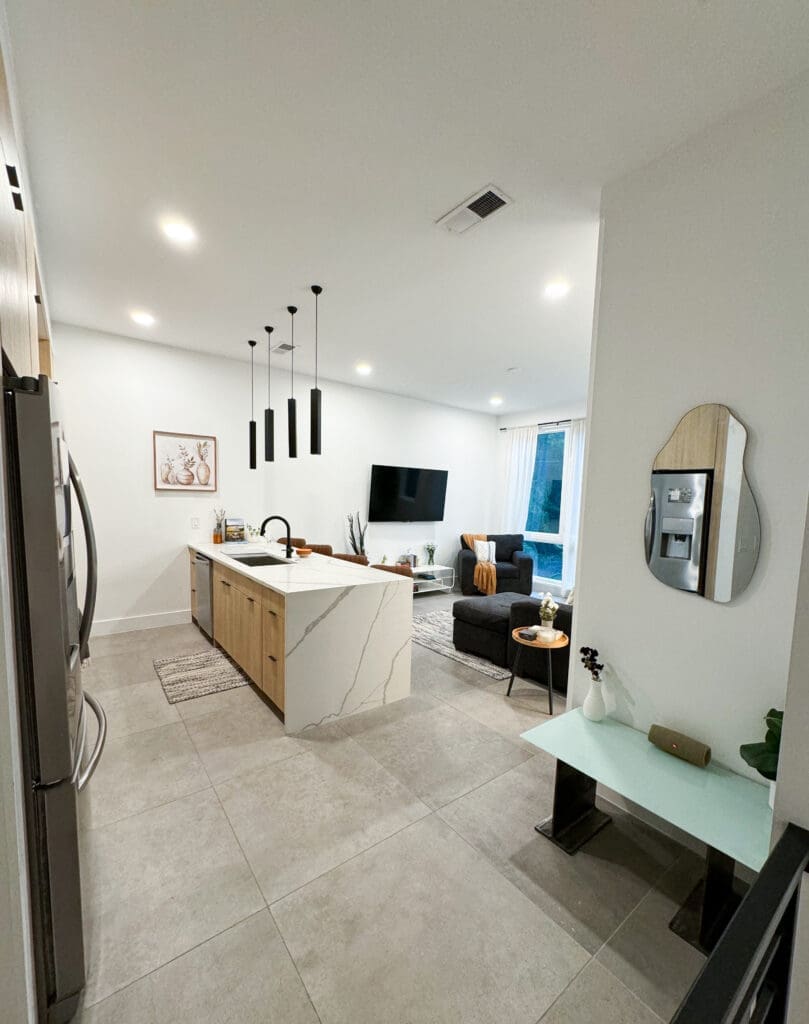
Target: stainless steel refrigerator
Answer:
[[51, 641]]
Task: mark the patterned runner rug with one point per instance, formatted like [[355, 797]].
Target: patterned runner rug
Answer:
[[197, 675], [434, 631]]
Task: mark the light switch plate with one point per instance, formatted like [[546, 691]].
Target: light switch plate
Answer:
[[194, 522]]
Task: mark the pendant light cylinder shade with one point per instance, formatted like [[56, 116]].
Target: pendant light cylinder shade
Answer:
[[269, 415], [252, 425], [292, 426], [292, 414], [252, 444], [315, 407], [315, 395]]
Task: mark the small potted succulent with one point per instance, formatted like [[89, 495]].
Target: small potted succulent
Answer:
[[547, 613], [430, 549], [764, 756]]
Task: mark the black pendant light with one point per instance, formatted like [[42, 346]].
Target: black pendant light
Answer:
[[292, 417], [269, 415], [252, 345], [315, 395]]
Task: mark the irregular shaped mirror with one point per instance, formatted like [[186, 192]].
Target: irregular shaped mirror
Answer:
[[702, 529]]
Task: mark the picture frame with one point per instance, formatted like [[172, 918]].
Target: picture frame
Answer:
[[184, 462]]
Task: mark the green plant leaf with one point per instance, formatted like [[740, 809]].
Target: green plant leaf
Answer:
[[761, 757], [775, 720]]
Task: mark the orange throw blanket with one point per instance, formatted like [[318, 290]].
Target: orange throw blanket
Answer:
[[485, 578]]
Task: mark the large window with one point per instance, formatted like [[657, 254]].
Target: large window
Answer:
[[543, 523]]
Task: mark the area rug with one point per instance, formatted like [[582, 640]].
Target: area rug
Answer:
[[434, 631], [197, 675]]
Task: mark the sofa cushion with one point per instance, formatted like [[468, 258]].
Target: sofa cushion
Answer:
[[506, 544], [487, 612]]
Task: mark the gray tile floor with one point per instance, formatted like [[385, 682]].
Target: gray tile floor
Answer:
[[385, 868]]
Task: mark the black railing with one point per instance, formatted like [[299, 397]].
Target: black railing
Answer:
[[746, 978]]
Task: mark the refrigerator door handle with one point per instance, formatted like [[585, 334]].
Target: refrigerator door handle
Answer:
[[91, 588], [92, 764], [649, 529], [81, 735]]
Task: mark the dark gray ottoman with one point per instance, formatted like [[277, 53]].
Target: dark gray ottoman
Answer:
[[480, 625]]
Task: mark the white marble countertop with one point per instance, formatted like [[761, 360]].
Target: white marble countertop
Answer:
[[298, 575]]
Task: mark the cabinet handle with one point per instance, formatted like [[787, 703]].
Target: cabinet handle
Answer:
[[251, 600], [271, 612], [224, 583], [272, 657]]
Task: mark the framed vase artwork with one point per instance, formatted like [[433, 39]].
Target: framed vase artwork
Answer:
[[184, 462]]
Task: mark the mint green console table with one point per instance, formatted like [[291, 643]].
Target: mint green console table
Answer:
[[726, 811]]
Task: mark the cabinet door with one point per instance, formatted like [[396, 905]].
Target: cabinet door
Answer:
[[272, 680], [249, 635], [223, 613]]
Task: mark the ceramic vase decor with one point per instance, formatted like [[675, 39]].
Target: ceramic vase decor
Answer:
[[594, 707]]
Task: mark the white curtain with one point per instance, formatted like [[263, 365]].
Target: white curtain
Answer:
[[571, 501], [521, 453]]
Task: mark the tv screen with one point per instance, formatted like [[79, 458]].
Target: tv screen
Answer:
[[402, 495]]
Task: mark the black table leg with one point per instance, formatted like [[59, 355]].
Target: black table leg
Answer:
[[514, 667], [711, 904], [575, 817], [550, 683]]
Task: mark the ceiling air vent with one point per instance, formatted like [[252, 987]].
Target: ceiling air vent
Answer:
[[283, 347], [476, 208]]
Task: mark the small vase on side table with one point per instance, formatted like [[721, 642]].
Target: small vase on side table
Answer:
[[594, 707]]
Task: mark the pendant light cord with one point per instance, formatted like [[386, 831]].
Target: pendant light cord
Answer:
[[315, 339], [292, 310], [252, 389]]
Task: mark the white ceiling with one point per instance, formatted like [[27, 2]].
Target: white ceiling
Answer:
[[313, 142]]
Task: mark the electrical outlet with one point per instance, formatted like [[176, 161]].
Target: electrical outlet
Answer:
[[194, 522]]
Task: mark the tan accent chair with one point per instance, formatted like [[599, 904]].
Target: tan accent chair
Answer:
[[400, 570], [357, 559], [321, 549]]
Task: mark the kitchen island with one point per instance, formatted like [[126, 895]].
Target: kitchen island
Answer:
[[320, 637]]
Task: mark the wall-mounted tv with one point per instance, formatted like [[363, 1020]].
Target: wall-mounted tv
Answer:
[[403, 495]]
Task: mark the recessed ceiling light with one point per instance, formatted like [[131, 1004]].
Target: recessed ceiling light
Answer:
[[364, 369], [179, 232], [141, 317], [557, 289], [512, 369], [495, 400]]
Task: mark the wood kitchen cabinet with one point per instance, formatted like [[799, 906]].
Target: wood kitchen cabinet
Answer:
[[18, 287], [237, 619], [273, 675]]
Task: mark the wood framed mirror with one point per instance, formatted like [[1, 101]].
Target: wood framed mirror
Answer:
[[703, 531]]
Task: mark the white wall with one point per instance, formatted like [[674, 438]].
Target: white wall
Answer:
[[791, 798], [703, 298], [118, 390]]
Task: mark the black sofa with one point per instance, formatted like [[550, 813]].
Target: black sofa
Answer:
[[515, 568], [483, 625]]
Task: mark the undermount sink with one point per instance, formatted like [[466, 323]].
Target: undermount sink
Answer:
[[259, 560]]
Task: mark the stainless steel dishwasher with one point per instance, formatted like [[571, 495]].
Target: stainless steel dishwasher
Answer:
[[204, 575]]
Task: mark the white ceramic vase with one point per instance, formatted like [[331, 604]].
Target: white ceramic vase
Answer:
[[594, 707], [772, 796]]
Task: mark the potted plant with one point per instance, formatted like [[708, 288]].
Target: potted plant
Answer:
[[764, 756], [547, 613], [219, 529], [594, 707], [356, 533], [430, 549]]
